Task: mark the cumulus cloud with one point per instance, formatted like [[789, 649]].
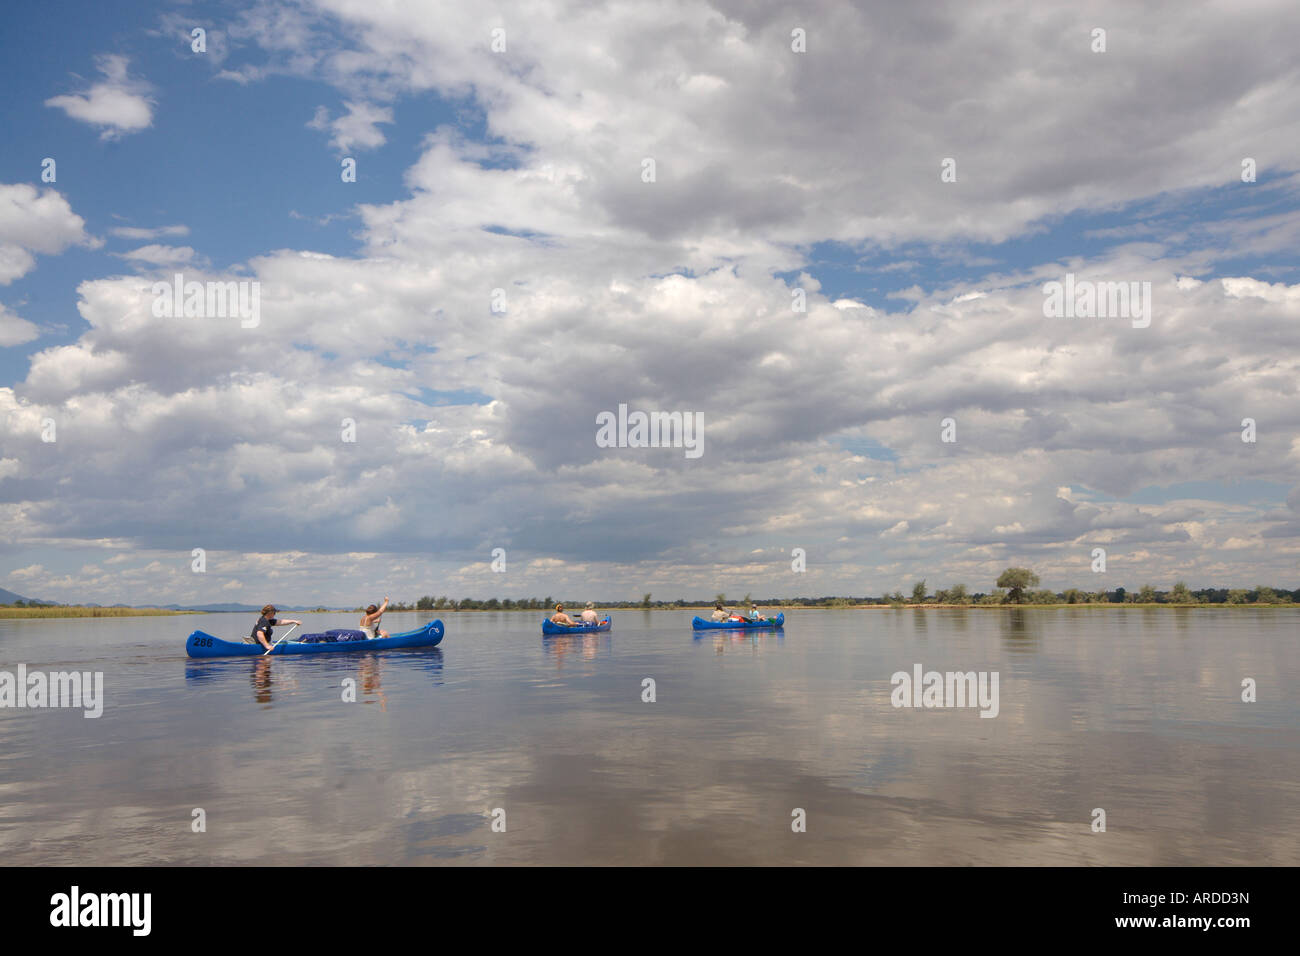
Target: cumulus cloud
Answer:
[[749, 135], [356, 129], [34, 221], [118, 103], [15, 330], [475, 426]]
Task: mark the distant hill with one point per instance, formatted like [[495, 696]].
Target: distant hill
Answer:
[[8, 597]]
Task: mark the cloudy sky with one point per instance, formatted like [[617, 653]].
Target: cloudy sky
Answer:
[[501, 272]]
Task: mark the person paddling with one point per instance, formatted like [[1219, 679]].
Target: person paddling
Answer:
[[262, 629], [589, 616], [720, 613], [559, 617], [370, 620]]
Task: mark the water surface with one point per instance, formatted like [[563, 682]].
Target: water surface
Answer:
[[1136, 711]]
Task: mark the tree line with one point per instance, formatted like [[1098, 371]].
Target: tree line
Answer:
[[1020, 586], [1013, 586]]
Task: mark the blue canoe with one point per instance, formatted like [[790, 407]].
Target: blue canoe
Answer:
[[200, 644], [773, 622], [549, 628]]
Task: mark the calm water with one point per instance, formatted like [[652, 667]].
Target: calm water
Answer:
[[1134, 711]]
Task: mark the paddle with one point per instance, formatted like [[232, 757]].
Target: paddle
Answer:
[[286, 634]]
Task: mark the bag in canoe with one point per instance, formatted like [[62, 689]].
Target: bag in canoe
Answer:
[[336, 636]]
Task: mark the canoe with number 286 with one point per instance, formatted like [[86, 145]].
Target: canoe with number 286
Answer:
[[200, 644]]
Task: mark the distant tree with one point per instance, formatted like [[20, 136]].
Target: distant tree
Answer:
[[1074, 596], [645, 601], [1237, 596], [1147, 595], [720, 599], [1043, 597], [1017, 581], [1265, 595], [957, 594], [425, 603], [1180, 594], [918, 592]]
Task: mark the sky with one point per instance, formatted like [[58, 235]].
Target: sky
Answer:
[[825, 230]]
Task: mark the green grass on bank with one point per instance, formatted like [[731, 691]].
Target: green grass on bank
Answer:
[[16, 612], [1089, 604], [770, 608]]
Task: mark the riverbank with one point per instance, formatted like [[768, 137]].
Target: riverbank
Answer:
[[1043, 607], [768, 609], [25, 612], [771, 610]]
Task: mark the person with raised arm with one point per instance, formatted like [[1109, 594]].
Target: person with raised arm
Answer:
[[370, 620]]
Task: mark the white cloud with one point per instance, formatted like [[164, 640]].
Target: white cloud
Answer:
[[15, 330], [33, 221], [159, 232], [358, 128], [663, 296], [157, 254], [118, 103], [787, 143]]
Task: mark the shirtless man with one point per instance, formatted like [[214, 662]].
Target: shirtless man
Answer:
[[559, 617]]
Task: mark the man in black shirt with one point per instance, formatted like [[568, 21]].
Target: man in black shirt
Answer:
[[262, 629]]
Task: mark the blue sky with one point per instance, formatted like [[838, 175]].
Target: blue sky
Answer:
[[218, 157], [519, 170]]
